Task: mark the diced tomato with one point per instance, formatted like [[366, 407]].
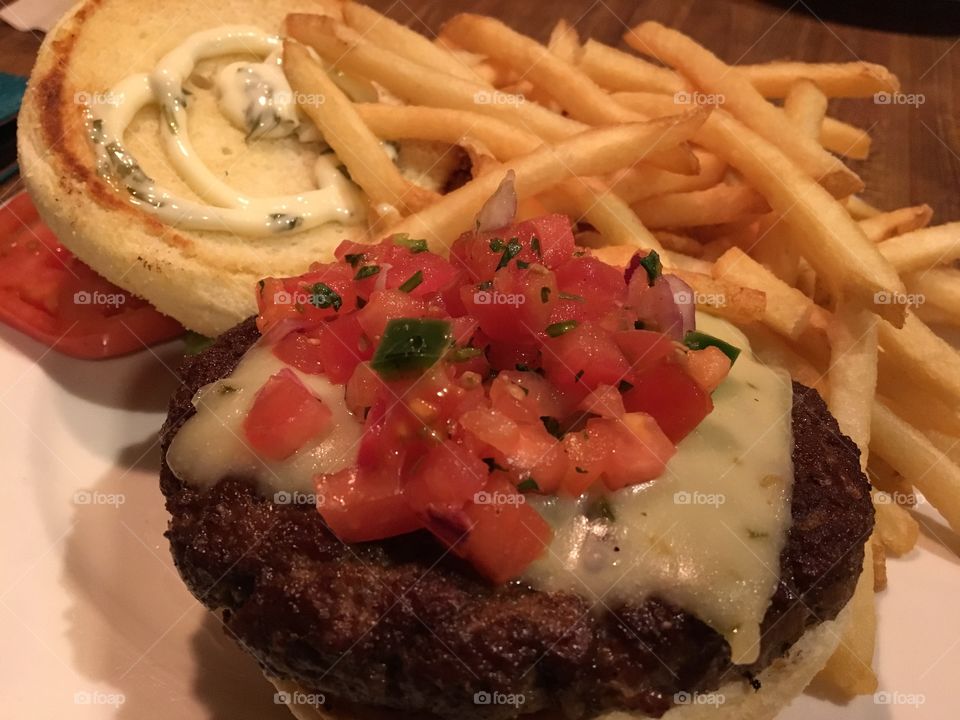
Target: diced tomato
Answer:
[[493, 428], [708, 367], [505, 535], [583, 358], [301, 351], [515, 307], [584, 463], [644, 349], [525, 397], [604, 400], [671, 396], [588, 289], [397, 264], [342, 346], [634, 449], [509, 356], [304, 301], [384, 305], [547, 240], [362, 389], [284, 416], [360, 506], [50, 295], [446, 478]]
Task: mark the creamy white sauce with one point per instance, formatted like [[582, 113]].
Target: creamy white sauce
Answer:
[[707, 535], [336, 199], [211, 445]]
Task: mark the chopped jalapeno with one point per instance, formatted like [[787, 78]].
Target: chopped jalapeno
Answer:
[[696, 340], [410, 345]]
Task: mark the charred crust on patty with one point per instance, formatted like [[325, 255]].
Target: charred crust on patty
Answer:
[[395, 624]]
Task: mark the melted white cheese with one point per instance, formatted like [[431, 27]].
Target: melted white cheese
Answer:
[[211, 445], [707, 535]]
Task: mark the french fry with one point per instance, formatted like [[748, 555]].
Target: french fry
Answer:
[[896, 222], [949, 445], [915, 351], [355, 145], [849, 669], [879, 557], [641, 182], [853, 373], [740, 305], [885, 478], [583, 99], [383, 31], [683, 244], [910, 453], [595, 152], [917, 405], [806, 107], [845, 139], [773, 350], [895, 527], [938, 288], [620, 255], [719, 204], [825, 233], [564, 42], [587, 199], [923, 249], [616, 70], [393, 122], [859, 209], [788, 310], [775, 250], [852, 80], [419, 84], [741, 100]]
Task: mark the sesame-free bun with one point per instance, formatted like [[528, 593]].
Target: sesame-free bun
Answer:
[[204, 279]]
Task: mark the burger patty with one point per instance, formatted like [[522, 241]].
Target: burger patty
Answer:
[[398, 624]]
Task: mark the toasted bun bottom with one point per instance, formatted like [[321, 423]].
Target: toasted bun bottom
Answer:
[[784, 680]]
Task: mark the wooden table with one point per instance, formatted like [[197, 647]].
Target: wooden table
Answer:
[[916, 156]]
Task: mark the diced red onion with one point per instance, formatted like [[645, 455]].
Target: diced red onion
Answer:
[[501, 208], [633, 266], [667, 306], [683, 297]]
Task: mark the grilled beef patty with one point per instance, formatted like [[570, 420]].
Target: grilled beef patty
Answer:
[[392, 624]]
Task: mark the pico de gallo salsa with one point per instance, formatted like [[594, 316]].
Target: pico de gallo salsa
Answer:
[[520, 364]]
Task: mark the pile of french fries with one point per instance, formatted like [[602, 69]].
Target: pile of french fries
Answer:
[[732, 173]]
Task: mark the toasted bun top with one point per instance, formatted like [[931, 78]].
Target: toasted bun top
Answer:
[[204, 279]]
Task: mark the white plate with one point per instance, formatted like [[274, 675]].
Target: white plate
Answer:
[[95, 623]]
